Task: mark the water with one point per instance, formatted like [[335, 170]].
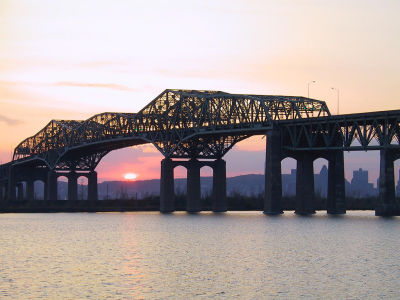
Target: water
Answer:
[[244, 255]]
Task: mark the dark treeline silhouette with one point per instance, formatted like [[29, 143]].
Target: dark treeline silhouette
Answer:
[[236, 202]]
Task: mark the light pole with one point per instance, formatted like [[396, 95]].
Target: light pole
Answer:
[[337, 91], [308, 88]]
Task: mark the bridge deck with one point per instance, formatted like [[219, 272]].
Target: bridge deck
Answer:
[[206, 124]]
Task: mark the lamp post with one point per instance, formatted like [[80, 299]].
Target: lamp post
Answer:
[[337, 91], [308, 88]]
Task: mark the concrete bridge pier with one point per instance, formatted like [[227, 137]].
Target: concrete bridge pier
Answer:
[[193, 201], [72, 186], [386, 205], [273, 175], [305, 185], [3, 192], [30, 189], [51, 186], [92, 186], [167, 192], [45, 195], [11, 192], [336, 183], [219, 203], [20, 189]]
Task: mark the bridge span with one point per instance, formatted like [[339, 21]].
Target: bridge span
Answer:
[[197, 128]]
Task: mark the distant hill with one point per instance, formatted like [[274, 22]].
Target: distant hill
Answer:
[[245, 185], [248, 185]]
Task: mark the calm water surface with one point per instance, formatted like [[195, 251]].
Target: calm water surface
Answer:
[[244, 255]]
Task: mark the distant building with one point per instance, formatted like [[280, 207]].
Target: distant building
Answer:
[[359, 186], [320, 183], [289, 183]]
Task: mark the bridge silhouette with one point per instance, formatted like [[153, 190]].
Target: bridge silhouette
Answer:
[[197, 128]]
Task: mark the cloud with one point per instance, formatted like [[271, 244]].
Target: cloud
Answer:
[[10, 121], [24, 101], [112, 86], [148, 148], [94, 85], [15, 83]]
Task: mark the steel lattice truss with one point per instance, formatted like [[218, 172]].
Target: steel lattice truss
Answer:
[[365, 131], [180, 123]]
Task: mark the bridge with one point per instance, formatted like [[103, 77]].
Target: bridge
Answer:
[[197, 128]]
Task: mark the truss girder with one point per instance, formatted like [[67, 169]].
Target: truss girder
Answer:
[[180, 123], [368, 131]]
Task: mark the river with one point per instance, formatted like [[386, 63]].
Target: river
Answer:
[[236, 255]]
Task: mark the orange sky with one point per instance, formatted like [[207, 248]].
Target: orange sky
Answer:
[[73, 59]]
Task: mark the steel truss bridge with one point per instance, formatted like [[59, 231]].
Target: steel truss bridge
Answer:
[[193, 125]]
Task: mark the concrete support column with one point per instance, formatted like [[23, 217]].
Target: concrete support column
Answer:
[[167, 192], [305, 185], [219, 187], [72, 186], [51, 186], [45, 191], [11, 192], [273, 174], [20, 189], [30, 190], [193, 201], [386, 205], [336, 203], [3, 192], [92, 186]]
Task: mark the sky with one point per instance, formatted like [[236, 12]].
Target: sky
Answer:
[[73, 59]]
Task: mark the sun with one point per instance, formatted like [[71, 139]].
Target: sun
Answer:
[[130, 176]]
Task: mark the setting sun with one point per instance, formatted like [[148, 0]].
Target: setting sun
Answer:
[[130, 176]]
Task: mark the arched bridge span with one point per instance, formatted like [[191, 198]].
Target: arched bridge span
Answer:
[[195, 125], [180, 123]]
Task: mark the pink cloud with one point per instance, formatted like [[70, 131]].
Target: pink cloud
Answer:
[[112, 86], [9, 121]]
